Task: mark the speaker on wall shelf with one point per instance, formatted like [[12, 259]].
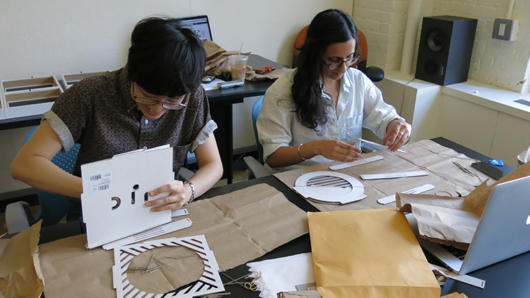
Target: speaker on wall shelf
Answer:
[[445, 49]]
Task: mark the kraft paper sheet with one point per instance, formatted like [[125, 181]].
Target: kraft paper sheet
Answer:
[[20, 274], [239, 227], [422, 155]]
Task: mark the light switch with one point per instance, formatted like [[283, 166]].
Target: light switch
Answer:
[[505, 29]]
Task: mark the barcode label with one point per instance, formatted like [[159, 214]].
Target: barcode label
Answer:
[[95, 177], [99, 182]]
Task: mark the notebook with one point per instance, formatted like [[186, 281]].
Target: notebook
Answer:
[[199, 25], [503, 230]]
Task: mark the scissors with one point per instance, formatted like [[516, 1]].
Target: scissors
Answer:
[[247, 285]]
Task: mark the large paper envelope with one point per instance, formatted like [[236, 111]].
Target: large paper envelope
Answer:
[[368, 253]]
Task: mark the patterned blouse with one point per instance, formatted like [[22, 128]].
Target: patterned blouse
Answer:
[[100, 114]]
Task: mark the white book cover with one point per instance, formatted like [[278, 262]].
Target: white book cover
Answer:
[[115, 189]]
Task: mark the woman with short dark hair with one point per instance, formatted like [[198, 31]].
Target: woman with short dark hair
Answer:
[[156, 99], [316, 112]]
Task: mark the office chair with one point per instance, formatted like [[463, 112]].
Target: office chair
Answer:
[[375, 74], [53, 207], [256, 167]]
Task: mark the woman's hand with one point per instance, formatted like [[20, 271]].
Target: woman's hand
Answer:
[[335, 150], [179, 195], [397, 134]]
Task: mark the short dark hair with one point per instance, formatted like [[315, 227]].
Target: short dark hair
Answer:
[[165, 58], [327, 27]]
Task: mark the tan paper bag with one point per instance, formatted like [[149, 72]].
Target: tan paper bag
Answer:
[[20, 274], [368, 253], [452, 221]]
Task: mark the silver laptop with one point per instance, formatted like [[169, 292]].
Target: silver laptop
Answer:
[[503, 230]]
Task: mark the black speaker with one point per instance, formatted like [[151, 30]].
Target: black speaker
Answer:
[[445, 49]]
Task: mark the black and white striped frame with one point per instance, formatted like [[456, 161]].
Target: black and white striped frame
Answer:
[[209, 282]]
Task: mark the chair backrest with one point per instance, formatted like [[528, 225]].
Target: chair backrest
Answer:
[[374, 73], [53, 206], [256, 108]]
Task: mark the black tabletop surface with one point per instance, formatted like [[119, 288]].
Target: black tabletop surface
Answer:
[[505, 279]]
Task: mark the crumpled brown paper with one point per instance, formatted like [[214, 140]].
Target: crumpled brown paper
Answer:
[[448, 220], [217, 64], [217, 58], [239, 226], [20, 274], [477, 200]]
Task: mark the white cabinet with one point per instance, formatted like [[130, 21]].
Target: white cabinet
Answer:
[[480, 117]]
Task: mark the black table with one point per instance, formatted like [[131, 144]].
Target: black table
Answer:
[[221, 102], [504, 279]]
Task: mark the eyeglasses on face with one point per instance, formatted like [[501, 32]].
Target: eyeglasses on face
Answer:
[[175, 103], [335, 62]]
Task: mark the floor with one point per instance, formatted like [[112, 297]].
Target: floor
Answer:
[[239, 175]]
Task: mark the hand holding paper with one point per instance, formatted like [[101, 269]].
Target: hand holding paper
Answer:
[[397, 134], [335, 150], [178, 195]]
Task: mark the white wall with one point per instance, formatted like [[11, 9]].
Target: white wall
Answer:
[[496, 62], [60, 36]]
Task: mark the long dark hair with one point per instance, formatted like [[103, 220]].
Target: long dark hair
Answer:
[[165, 58], [327, 27]]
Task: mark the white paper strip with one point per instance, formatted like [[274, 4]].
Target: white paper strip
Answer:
[[154, 232], [179, 212], [470, 280], [375, 146], [394, 175], [415, 190], [355, 163]]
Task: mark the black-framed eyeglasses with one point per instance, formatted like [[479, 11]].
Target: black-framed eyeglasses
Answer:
[[178, 103], [335, 62]]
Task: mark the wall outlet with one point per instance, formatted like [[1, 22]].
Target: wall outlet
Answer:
[[505, 29]]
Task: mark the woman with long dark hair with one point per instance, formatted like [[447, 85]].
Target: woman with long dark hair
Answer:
[[317, 111]]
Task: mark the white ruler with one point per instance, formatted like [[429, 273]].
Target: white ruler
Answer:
[[415, 190], [154, 232], [394, 175], [356, 163], [470, 280]]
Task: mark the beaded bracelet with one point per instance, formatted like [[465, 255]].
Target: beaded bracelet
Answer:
[[192, 188]]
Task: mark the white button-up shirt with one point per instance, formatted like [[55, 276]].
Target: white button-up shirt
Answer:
[[360, 104]]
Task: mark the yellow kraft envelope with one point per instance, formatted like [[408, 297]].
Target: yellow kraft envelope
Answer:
[[368, 253]]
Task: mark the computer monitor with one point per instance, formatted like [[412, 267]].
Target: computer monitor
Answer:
[[199, 25]]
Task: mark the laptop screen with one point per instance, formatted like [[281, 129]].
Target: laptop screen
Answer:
[[199, 25]]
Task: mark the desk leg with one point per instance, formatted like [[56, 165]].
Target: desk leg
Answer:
[[222, 115]]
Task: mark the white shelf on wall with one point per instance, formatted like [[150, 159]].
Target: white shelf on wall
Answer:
[[482, 117], [22, 92], [491, 97], [69, 80]]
